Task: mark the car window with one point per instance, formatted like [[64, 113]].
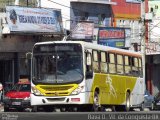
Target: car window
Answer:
[[21, 87], [147, 92], [25, 87]]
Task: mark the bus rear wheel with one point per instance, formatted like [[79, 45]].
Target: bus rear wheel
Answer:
[[127, 105]]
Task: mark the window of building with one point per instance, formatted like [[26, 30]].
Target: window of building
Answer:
[[29, 3]]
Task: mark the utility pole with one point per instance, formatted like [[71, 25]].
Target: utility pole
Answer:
[[38, 3], [16, 2], [142, 37]]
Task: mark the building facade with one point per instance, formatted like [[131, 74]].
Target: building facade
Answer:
[[111, 13], [16, 39], [12, 50], [153, 48]]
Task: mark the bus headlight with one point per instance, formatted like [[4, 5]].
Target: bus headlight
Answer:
[[77, 90], [36, 91]]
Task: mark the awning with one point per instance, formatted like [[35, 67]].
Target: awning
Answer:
[[96, 1]]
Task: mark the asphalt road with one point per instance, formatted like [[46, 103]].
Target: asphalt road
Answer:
[[134, 115], [152, 115]]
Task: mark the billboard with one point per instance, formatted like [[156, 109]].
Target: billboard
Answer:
[[83, 30], [111, 36], [24, 19]]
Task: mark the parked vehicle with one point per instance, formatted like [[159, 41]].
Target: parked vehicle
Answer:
[[18, 97], [149, 101], [157, 101]]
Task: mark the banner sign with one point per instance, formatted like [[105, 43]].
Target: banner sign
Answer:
[[83, 30], [111, 36], [24, 19], [127, 37], [152, 48]]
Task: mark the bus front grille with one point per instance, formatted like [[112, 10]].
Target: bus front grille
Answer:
[[55, 99], [56, 90]]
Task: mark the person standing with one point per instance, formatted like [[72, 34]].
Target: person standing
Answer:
[[1, 92]]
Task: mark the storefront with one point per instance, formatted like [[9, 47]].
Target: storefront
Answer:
[[21, 28]]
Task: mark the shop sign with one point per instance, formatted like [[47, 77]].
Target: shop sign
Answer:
[[111, 36], [152, 48], [83, 30], [24, 19]]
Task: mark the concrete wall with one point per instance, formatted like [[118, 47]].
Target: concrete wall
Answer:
[[14, 43]]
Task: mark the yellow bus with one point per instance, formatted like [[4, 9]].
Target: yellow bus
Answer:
[[82, 76]]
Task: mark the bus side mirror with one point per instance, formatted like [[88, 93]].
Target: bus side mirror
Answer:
[[28, 58], [88, 59], [28, 55], [28, 63]]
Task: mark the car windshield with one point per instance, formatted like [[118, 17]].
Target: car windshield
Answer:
[[58, 63], [21, 87], [147, 92]]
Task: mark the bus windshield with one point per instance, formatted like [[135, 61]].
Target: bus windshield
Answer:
[[57, 63]]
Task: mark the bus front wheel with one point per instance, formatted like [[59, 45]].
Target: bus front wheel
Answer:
[[96, 101]]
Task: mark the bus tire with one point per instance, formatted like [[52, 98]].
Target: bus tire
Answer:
[[34, 109], [96, 101], [127, 105]]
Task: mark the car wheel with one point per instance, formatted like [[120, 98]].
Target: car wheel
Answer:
[[152, 106], [142, 107], [6, 109], [34, 109]]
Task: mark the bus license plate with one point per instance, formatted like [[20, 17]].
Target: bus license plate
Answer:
[[16, 103]]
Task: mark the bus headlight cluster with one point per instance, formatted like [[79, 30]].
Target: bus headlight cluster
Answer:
[[36, 91], [77, 90]]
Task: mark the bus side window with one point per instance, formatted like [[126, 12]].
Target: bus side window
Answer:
[[127, 67], [140, 67], [103, 63], [112, 66], [95, 61], [89, 71], [135, 70], [120, 69]]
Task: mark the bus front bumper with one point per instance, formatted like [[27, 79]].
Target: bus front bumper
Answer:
[[59, 100]]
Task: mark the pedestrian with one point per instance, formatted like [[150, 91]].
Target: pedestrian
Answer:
[[1, 92]]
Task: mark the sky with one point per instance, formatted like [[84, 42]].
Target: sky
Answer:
[[63, 4]]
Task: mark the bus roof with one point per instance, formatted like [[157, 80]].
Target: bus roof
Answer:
[[98, 47]]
